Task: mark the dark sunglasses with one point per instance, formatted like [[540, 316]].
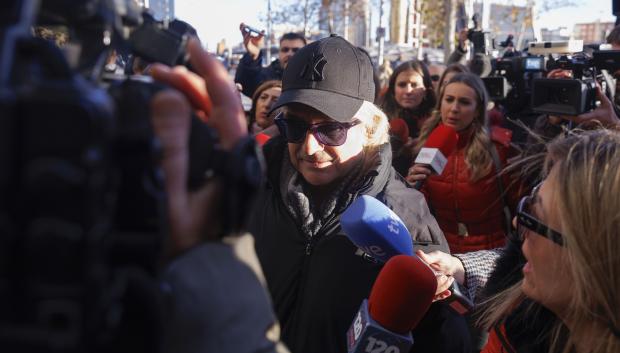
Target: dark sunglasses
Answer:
[[327, 133], [526, 220], [287, 49], [434, 78]]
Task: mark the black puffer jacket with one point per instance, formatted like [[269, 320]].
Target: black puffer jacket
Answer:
[[250, 73], [318, 283]]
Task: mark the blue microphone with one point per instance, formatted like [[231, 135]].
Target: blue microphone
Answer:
[[380, 233], [376, 229]]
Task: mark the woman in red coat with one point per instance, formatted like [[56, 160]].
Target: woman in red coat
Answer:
[[467, 197]]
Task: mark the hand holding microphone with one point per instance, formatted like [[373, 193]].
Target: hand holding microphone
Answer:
[[400, 297], [444, 263], [433, 157], [380, 233]]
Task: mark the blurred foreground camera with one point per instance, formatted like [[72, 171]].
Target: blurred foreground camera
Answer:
[[82, 207]]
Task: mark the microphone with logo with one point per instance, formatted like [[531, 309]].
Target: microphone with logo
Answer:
[[400, 297], [380, 233], [438, 147]]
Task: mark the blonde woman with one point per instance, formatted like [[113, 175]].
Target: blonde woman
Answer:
[[470, 200], [565, 295], [569, 226]]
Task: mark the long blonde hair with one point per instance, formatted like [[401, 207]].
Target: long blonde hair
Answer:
[[587, 189], [477, 155]]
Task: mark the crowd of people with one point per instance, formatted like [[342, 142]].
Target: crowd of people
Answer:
[[528, 232]]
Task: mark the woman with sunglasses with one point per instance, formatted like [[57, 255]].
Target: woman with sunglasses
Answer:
[[410, 98], [564, 290], [472, 202], [569, 228]]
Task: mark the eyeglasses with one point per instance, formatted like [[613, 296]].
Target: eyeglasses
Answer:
[[287, 49], [435, 78], [326, 133], [525, 219]]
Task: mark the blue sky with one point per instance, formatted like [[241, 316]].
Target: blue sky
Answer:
[[217, 19]]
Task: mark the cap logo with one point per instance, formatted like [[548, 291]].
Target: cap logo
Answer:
[[313, 71]]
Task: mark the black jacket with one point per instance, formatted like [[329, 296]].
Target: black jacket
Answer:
[[317, 284], [213, 299], [250, 73]]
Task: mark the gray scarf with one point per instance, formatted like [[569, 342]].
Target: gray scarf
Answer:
[[298, 199]]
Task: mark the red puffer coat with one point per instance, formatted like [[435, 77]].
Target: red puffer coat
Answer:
[[471, 214]]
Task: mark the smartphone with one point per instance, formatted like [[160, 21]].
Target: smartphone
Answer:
[[252, 31]]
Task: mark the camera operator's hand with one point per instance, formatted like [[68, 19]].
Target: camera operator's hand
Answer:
[[192, 85], [604, 114], [190, 213], [211, 93], [252, 43]]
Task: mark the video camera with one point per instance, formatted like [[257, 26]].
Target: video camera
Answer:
[[570, 96], [512, 72], [82, 206]]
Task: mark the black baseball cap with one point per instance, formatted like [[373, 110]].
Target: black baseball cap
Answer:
[[330, 75]]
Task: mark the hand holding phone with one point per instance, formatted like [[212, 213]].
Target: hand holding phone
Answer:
[[252, 39], [254, 32]]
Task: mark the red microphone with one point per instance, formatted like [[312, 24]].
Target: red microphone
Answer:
[[402, 293], [399, 299], [438, 147], [400, 129]]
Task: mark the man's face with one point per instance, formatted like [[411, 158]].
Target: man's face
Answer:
[[288, 47], [318, 163]]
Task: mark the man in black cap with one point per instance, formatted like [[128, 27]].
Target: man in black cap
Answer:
[[333, 148]]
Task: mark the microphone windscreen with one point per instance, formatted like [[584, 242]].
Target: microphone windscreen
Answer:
[[444, 138], [399, 128], [376, 229], [402, 293]]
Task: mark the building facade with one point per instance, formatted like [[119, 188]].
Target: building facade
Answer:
[[348, 18], [593, 32]]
